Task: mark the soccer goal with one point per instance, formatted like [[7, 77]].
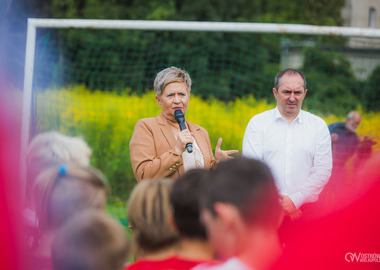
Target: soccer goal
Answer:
[[94, 78]]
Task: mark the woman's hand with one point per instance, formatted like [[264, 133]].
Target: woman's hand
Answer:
[[221, 155], [183, 137]]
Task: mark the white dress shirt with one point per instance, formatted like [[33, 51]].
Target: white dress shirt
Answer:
[[298, 154]]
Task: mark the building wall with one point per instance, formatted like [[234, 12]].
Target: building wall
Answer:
[[356, 13], [360, 13]]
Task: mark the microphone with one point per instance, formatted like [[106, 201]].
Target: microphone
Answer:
[[180, 118]]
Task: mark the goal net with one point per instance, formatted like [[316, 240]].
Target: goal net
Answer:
[[94, 79]]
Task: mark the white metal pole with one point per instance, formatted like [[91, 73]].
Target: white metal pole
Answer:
[[27, 101], [209, 27]]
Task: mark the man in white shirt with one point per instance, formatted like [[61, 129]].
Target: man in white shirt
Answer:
[[295, 144]]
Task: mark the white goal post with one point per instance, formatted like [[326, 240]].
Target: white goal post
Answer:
[[34, 24]]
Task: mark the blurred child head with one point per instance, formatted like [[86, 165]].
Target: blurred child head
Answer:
[[185, 199], [149, 210], [241, 200], [53, 148], [90, 241], [62, 191]]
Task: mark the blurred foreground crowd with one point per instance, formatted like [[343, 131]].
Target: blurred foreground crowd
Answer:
[[225, 218]]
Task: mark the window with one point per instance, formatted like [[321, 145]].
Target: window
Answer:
[[372, 17]]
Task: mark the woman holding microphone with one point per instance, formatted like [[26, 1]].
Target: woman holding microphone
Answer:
[[158, 145]]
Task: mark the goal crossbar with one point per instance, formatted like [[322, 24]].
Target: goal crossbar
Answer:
[[207, 27]]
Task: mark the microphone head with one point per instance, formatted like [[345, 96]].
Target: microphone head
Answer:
[[179, 116]]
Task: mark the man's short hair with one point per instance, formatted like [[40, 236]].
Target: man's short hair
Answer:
[[288, 71], [246, 184], [90, 241], [185, 198]]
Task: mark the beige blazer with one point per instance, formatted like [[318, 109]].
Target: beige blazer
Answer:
[[152, 149]]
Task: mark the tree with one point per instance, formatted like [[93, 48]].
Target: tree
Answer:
[[371, 93], [331, 82], [261, 53]]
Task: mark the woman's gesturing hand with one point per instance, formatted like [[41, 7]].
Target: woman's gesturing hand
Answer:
[[221, 155]]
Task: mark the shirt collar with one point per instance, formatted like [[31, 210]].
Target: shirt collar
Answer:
[[299, 117], [277, 115]]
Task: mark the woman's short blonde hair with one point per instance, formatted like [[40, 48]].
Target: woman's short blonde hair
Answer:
[[62, 191], [149, 210], [169, 75]]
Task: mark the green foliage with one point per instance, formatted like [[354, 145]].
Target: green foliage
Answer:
[[331, 63], [65, 9], [371, 92], [321, 12], [329, 93], [318, 12], [331, 84], [222, 65], [225, 66]]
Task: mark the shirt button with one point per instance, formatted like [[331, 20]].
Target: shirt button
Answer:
[[170, 169], [176, 164]]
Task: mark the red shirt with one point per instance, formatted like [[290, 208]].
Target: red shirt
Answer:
[[171, 263]]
